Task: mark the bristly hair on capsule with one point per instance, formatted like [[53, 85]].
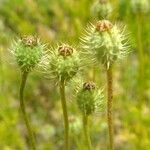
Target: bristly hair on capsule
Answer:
[[63, 62], [28, 52], [105, 42], [90, 99]]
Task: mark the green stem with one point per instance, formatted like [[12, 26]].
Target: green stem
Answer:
[[65, 114], [140, 55], [86, 132], [140, 46], [22, 106], [109, 107]]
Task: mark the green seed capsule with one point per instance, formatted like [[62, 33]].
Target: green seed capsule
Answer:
[[89, 98], [105, 42], [63, 63], [28, 52]]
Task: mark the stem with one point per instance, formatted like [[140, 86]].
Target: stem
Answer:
[[65, 114], [140, 55], [86, 132], [22, 106], [141, 66], [109, 107], [140, 46]]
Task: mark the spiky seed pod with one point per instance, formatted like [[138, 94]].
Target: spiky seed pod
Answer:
[[89, 98], [63, 63], [105, 42], [28, 52], [101, 9], [140, 6]]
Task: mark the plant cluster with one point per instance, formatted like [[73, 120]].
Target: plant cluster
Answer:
[[104, 42]]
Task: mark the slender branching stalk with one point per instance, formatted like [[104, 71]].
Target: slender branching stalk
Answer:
[[63, 64], [65, 114], [27, 51], [86, 132], [22, 106], [109, 107]]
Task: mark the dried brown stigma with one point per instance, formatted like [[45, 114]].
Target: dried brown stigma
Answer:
[[89, 85], [29, 40], [65, 50], [103, 25]]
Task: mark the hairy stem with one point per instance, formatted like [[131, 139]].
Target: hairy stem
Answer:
[[86, 132], [22, 106], [65, 114], [109, 107]]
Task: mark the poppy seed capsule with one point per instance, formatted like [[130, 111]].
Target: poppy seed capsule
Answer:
[[28, 52], [104, 43], [89, 99], [63, 63]]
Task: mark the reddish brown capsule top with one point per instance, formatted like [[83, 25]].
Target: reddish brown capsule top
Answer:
[[104, 25], [29, 40], [89, 85], [65, 50]]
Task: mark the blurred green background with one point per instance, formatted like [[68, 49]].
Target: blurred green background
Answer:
[[65, 20]]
